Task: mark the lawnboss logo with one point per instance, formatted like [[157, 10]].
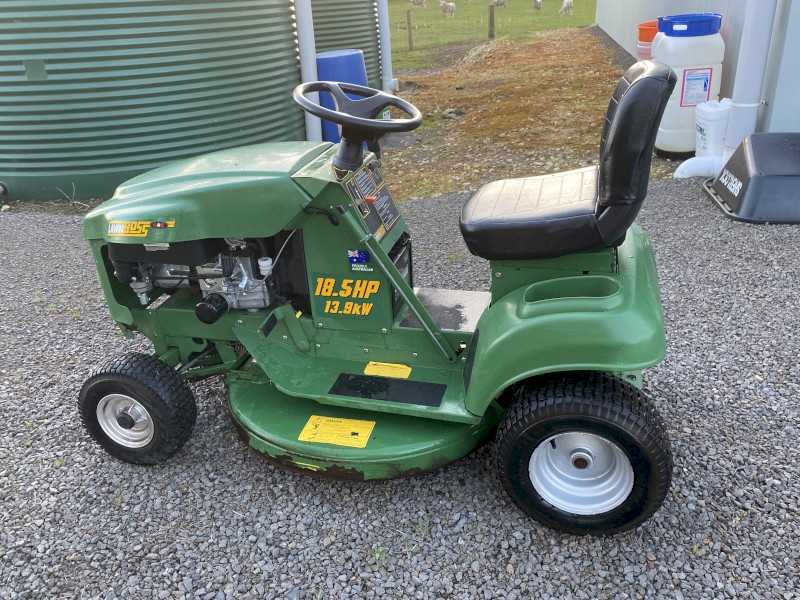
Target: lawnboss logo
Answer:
[[136, 228]]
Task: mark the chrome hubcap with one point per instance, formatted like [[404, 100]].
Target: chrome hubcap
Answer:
[[581, 473], [125, 421]]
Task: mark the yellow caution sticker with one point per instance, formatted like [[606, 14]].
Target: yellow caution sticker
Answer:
[[339, 432], [382, 369]]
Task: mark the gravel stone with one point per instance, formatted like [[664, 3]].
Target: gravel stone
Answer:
[[216, 521]]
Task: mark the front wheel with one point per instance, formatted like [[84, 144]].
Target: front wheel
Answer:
[[138, 409], [584, 454]]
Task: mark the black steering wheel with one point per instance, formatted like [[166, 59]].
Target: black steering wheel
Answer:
[[358, 115], [357, 118]]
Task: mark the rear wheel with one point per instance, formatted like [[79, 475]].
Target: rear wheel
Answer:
[[138, 409], [584, 454]]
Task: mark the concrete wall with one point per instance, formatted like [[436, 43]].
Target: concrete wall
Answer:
[[619, 19]]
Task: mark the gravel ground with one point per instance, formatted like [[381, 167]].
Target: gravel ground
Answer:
[[216, 521]]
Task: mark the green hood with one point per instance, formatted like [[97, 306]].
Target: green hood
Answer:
[[206, 196]]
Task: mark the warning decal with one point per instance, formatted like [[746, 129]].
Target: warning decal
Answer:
[[381, 369], [339, 432], [696, 86]]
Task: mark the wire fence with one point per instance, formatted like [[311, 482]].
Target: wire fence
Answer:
[[418, 27]]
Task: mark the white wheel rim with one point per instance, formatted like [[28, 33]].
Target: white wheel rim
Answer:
[[125, 421], [581, 473]]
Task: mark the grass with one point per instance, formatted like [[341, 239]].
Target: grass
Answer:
[[381, 556], [431, 29]]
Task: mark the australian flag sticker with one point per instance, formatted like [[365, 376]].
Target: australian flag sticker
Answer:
[[359, 260], [359, 257]]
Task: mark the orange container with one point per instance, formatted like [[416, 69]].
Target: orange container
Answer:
[[647, 31]]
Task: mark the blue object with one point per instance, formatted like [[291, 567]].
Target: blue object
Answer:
[[690, 25], [339, 65]]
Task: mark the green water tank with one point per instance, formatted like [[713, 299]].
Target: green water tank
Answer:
[[345, 24], [94, 93]]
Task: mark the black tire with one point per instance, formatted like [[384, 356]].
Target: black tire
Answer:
[[619, 424], [147, 411]]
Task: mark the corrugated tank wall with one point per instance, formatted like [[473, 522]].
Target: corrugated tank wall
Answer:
[[345, 24], [94, 93]]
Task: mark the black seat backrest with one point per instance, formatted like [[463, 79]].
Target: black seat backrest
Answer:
[[626, 145]]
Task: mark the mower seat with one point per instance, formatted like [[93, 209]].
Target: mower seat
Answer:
[[584, 209]]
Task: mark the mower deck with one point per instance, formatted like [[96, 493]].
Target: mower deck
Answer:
[[344, 443]]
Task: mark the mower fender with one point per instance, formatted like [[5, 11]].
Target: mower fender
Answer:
[[609, 323]]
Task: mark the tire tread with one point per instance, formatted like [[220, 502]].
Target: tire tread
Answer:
[[172, 390], [595, 394]]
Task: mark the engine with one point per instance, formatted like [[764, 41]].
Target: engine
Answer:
[[230, 273]]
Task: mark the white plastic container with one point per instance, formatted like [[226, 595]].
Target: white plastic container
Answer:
[[693, 47], [656, 41], [647, 31], [711, 124]]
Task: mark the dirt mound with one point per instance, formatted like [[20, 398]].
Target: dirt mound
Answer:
[[506, 109], [481, 52]]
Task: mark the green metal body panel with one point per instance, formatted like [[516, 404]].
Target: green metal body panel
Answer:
[[590, 311], [508, 276], [97, 92], [312, 376], [583, 320]]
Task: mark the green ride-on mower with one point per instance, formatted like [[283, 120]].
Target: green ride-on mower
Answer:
[[288, 268]]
